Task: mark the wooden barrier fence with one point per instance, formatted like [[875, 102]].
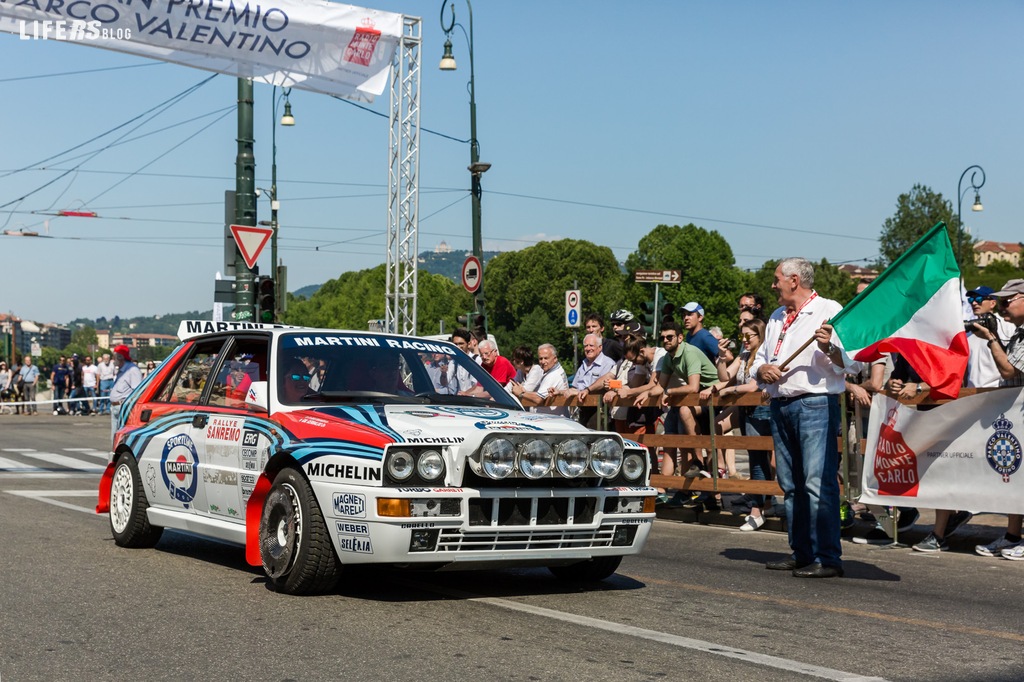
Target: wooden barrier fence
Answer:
[[712, 443]]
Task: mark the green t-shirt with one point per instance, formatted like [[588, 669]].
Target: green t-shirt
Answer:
[[690, 360]]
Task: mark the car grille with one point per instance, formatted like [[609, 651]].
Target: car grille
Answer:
[[455, 540]]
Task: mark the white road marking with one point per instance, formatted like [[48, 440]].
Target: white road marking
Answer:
[[47, 495], [91, 452], [666, 638], [18, 466], [64, 461]]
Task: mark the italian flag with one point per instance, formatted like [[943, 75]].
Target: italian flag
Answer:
[[913, 308]]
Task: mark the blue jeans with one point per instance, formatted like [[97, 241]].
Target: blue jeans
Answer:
[[103, 404], [805, 430], [757, 422]]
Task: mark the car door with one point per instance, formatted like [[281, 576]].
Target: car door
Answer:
[[230, 448], [171, 464]]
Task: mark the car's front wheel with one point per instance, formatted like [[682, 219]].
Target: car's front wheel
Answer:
[[588, 571], [128, 522], [295, 544]]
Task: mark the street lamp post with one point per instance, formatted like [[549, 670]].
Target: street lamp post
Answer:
[[286, 120], [975, 207], [476, 167]]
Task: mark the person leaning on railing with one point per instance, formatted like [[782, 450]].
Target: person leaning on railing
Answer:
[[1010, 363]]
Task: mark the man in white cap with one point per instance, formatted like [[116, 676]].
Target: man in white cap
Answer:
[[128, 377], [696, 334]]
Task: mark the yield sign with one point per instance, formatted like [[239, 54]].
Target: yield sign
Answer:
[[251, 241]]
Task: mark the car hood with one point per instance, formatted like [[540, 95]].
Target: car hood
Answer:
[[450, 425]]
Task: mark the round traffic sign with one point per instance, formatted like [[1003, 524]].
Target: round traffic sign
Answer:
[[472, 273], [573, 299]]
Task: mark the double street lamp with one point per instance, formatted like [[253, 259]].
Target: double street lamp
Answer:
[[975, 207], [286, 120], [476, 167]]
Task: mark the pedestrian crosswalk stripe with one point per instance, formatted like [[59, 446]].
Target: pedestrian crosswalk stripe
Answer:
[[63, 461]]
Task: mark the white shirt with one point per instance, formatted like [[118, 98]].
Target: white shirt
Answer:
[[89, 376], [107, 370], [554, 379], [532, 378], [981, 366], [811, 371]]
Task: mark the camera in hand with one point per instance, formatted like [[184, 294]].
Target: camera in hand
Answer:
[[986, 320]]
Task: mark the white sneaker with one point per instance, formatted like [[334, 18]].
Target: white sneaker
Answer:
[[752, 522], [1014, 553], [995, 547]]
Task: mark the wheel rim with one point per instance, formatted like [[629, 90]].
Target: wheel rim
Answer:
[[282, 531], [122, 496]]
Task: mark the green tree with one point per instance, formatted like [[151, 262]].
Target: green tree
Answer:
[[995, 275], [83, 337], [517, 283], [709, 275], [356, 297], [917, 211]]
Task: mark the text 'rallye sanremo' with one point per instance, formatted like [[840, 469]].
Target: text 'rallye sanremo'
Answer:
[[317, 448]]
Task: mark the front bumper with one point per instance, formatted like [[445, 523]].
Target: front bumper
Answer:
[[487, 526]]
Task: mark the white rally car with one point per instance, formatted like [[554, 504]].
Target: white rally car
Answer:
[[318, 448]]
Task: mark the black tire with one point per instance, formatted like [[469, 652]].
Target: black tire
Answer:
[[295, 542], [128, 504], [589, 571]]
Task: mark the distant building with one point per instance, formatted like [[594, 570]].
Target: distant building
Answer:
[[141, 340], [858, 273], [986, 253], [443, 248]]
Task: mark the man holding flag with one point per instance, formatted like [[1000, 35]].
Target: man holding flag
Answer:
[[805, 381]]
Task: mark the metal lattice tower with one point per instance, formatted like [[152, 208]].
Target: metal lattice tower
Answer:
[[404, 183]]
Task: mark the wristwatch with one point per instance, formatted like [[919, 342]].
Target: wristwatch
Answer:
[[831, 349]]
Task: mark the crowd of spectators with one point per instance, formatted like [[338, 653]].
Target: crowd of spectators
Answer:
[[78, 385], [639, 377]]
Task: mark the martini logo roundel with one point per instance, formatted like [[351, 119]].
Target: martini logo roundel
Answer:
[[178, 465]]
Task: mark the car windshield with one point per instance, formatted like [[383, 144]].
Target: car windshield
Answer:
[[339, 367]]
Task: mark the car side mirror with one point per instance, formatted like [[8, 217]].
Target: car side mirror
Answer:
[[256, 396]]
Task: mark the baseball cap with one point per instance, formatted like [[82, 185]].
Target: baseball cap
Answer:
[[984, 292], [124, 352], [694, 307], [1014, 286]]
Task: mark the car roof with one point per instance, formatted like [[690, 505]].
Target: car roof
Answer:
[[189, 329]]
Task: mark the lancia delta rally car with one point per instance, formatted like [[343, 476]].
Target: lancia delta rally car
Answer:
[[317, 448]]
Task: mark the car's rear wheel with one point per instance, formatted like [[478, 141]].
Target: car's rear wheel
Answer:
[[128, 522], [295, 544], [587, 571]]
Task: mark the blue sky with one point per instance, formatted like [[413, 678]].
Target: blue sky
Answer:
[[601, 119]]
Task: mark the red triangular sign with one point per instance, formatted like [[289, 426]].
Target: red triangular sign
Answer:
[[251, 241]]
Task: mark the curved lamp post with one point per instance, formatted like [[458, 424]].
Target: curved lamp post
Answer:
[[286, 120], [476, 167], [975, 207]]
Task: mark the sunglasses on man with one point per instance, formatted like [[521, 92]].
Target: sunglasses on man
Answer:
[[978, 299]]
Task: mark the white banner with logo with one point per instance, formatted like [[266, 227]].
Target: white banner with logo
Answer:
[[965, 454], [307, 44]]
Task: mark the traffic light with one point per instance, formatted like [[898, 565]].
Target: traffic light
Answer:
[[267, 300], [479, 328], [666, 313], [647, 317]]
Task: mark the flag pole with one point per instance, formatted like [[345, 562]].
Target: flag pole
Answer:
[[784, 366]]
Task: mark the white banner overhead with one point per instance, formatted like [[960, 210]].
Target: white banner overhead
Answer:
[[964, 454], [307, 44]]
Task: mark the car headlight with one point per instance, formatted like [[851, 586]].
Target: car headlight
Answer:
[[498, 458], [535, 458], [633, 466], [401, 464], [605, 457], [430, 465], [571, 458]]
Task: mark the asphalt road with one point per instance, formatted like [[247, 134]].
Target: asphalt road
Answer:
[[697, 604]]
